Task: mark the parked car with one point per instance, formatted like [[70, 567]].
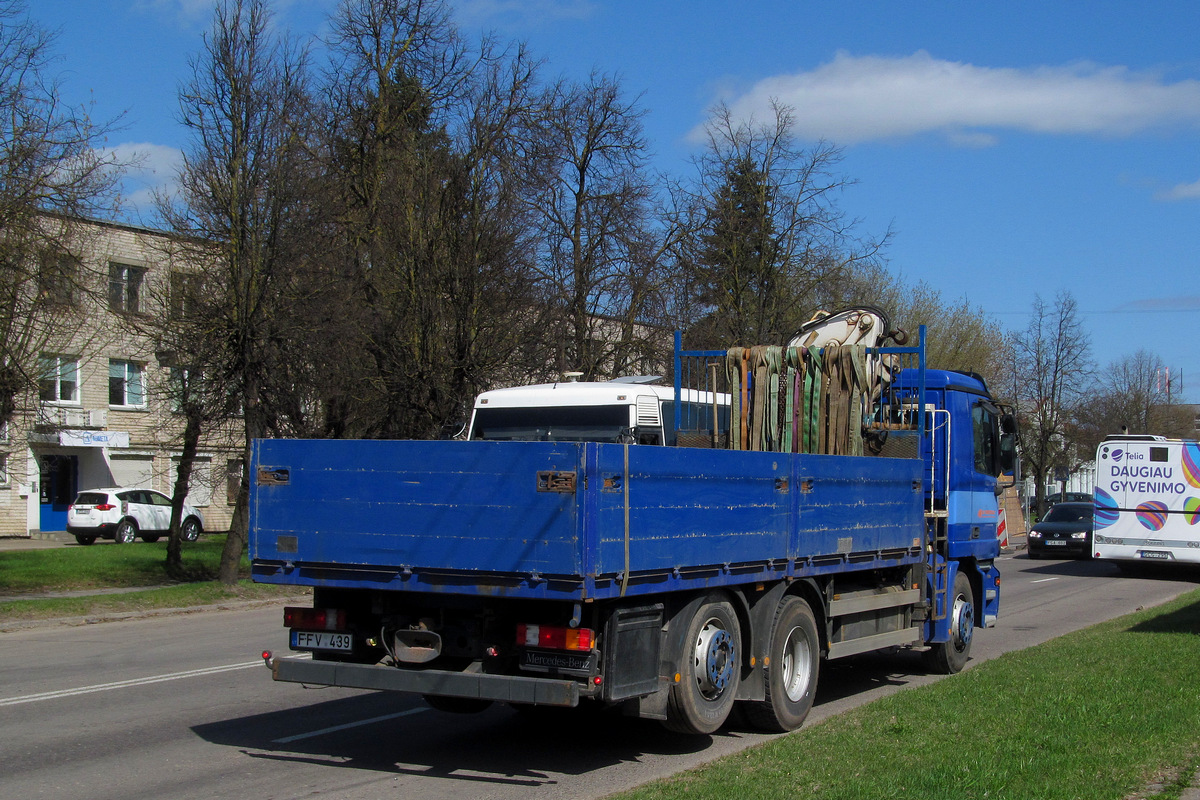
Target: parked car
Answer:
[[1069, 497], [1066, 530], [125, 514]]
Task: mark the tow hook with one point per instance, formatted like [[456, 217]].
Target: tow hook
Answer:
[[268, 660]]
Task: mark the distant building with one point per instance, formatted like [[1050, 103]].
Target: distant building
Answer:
[[102, 414]]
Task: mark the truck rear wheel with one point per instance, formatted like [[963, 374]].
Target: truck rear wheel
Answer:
[[790, 671], [950, 657], [710, 670]]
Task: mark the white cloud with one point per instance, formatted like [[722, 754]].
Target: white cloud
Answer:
[[153, 168], [1182, 191], [854, 99]]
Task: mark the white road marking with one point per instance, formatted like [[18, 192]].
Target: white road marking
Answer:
[[105, 687], [348, 725], [1044, 580]]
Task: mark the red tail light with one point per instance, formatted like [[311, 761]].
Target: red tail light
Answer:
[[555, 637], [105, 507], [321, 619]]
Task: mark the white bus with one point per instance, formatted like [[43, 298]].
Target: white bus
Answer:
[[622, 410], [1147, 500]]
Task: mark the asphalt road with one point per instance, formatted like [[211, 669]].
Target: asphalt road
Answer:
[[182, 707]]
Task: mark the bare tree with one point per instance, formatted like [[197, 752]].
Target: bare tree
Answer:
[[424, 171], [593, 202], [1133, 395], [244, 201], [1053, 368], [769, 245], [52, 172], [959, 335]]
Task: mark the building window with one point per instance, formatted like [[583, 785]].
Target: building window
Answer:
[[124, 287], [3, 469], [59, 381], [125, 384], [58, 276], [186, 385], [185, 294]]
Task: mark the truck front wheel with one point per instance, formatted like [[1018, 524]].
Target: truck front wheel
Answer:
[[950, 657], [709, 670], [790, 672]]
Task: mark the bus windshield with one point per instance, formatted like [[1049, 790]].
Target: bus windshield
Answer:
[[552, 423]]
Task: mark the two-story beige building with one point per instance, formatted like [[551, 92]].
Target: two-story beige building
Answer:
[[103, 414]]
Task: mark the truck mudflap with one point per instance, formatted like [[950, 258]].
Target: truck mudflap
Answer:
[[502, 688]]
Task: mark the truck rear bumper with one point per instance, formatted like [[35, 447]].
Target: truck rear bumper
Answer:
[[504, 688]]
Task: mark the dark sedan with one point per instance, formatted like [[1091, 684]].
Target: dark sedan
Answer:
[[1065, 531]]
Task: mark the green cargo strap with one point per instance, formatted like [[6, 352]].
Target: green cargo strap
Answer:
[[812, 401], [794, 386], [774, 358]]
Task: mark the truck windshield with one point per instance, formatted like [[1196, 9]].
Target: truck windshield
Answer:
[[558, 424]]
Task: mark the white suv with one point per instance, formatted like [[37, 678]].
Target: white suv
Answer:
[[125, 514]]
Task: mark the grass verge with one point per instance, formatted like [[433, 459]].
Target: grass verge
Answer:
[[183, 595], [105, 566], [139, 567], [1101, 713]]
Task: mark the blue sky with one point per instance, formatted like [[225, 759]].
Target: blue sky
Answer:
[[1016, 149]]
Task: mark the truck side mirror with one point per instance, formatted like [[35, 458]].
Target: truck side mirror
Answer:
[[1008, 452]]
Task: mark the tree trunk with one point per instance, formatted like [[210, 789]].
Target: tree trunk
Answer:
[[191, 443]]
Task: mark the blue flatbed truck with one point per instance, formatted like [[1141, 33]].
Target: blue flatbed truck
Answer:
[[574, 550]]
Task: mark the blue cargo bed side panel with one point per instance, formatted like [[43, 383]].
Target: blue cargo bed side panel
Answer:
[[466, 507], [439, 505], [690, 507]]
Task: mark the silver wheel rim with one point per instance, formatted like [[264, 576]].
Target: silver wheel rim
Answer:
[[797, 665], [714, 659], [962, 623]]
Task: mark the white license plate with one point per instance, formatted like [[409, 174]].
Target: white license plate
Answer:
[[1055, 543], [321, 640]]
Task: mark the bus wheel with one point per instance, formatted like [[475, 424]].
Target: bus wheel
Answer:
[[710, 670], [791, 670], [950, 657]]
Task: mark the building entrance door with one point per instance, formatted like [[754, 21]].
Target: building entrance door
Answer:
[[59, 483]]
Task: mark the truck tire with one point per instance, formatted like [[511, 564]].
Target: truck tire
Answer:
[[790, 671], [710, 670], [950, 657], [126, 532]]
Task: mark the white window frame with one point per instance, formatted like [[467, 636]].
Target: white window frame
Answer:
[[59, 361], [125, 365], [3, 469]]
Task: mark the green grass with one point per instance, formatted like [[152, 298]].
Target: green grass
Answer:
[[1101, 713], [106, 567], [183, 595]]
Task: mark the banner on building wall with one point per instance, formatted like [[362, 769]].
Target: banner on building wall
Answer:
[[93, 438]]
